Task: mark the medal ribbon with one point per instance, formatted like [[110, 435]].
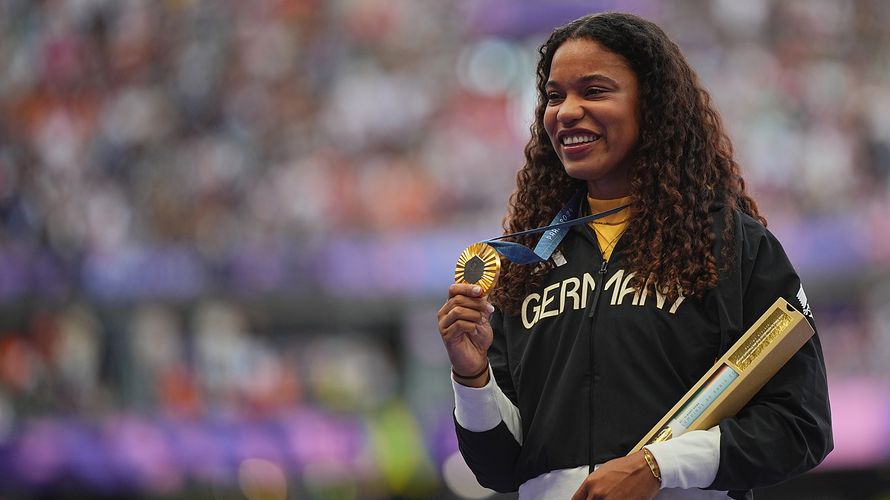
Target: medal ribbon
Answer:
[[553, 233]]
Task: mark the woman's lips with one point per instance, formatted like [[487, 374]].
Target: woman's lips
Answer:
[[578, 149]]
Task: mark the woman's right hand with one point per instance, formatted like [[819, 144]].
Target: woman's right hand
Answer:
[[466, 332]]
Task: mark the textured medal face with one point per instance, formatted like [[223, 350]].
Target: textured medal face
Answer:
[[479, 264]]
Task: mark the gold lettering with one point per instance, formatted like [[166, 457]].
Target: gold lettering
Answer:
[[625, 289], [616, 281], [567, 292], [589, 282], [548, 298], [679, 301], [645, 292], [536, 308], [659, 298]]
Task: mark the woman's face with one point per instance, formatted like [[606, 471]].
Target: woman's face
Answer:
[[592, 115]]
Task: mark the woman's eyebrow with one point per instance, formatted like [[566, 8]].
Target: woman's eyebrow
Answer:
[[589, 78], [597, 77]]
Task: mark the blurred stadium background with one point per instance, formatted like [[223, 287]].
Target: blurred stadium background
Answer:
[[227, 226]]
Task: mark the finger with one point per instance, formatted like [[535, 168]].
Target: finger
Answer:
[[464, 289], [457, 329], [461, 301], [447, 323], [481, 337], [462, 313], [466, 302], [466, 314], [480, 304], [581, 494], [469, 312], [477, 304]]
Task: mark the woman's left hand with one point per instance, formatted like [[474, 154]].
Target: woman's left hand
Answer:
[[621, 478]]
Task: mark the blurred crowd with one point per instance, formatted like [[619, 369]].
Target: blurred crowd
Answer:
[[226, 131], [212, 123], [208, 123], [168, 151], [155, 399]]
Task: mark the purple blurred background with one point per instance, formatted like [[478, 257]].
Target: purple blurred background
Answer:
[[227, 226]]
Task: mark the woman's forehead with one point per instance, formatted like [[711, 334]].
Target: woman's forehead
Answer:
[[585, 59]]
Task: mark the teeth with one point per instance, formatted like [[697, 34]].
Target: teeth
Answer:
[[577, 139]]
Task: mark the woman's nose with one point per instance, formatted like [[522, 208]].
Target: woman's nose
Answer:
[[570, 111]]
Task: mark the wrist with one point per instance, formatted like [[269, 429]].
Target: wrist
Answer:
[[477, 379], [652, 465]]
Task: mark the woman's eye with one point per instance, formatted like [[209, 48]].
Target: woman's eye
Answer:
[[553, 96], [594, 91]]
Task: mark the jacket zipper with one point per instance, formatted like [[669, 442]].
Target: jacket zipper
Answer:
[[593, 308], [599, 286]]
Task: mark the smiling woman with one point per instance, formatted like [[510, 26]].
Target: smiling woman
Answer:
[[584, 353], [592, 116]]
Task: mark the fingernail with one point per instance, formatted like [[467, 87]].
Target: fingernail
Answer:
[[490, 308], [477, 289]]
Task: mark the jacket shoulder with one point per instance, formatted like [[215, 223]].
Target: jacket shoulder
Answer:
[[749, 233]]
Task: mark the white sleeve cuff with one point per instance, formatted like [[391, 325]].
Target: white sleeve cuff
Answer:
[[482, 409], [689, 460], [475, 408]]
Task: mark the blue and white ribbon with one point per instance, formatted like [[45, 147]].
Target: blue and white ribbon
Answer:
[[553, 233]]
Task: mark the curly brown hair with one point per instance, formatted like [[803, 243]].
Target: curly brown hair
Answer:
[[684, 164]]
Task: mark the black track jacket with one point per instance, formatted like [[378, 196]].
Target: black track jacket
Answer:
[[592, 366]]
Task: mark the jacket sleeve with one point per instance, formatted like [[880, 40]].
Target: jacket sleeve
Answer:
[[785, 429], [492, 454]]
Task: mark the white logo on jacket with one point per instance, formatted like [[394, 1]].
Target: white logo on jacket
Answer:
[[804, 305]]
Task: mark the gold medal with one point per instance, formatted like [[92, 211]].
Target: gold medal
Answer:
[[479, 264]]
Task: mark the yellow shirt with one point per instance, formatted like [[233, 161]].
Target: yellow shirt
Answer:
[[608, 229]]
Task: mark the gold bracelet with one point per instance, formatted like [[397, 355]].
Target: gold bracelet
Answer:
[[653, 465]]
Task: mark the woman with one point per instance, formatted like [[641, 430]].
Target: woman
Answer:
[[586, 352]]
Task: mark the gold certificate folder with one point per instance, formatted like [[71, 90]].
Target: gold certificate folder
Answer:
[[737, 376]]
